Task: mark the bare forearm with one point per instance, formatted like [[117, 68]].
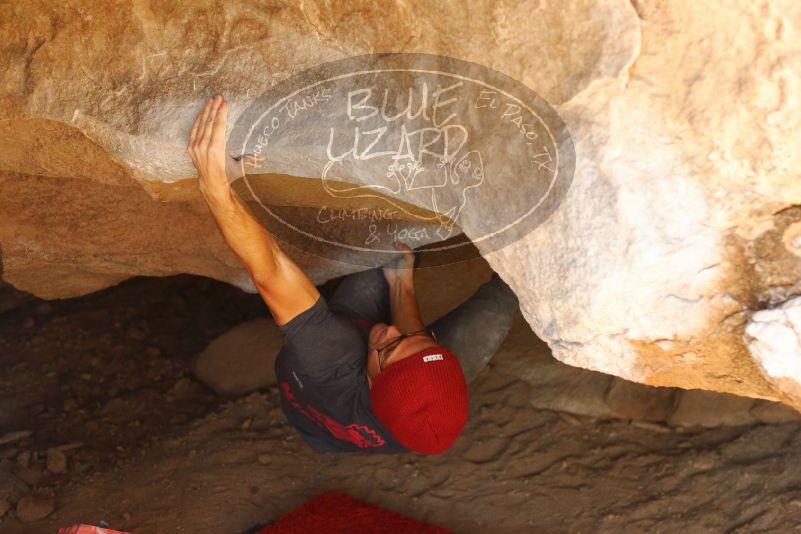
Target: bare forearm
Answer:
[[252, 244], [403, 306], [283, 285], [286, 289]]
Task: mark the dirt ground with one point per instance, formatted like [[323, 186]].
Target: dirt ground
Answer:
[[107, 379]]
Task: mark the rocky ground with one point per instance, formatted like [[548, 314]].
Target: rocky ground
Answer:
[[102, 418]]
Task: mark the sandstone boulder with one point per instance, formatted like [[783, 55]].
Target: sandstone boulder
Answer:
[[681, 221], [242, 360], [774, 339]]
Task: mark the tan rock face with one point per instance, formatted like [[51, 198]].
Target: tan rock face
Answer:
[[679, 223]]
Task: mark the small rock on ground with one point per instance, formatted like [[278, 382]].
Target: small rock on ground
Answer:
[[56, 461], [35, 507], [242, 360]]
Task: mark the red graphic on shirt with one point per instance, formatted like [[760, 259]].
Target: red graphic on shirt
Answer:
[[359, 435]]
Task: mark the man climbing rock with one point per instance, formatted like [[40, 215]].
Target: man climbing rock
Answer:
[[360, 372]]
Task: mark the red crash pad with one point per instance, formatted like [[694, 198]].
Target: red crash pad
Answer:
[[88, 529], [334, 513]]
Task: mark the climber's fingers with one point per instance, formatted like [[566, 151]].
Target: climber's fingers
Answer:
[[207, 143], [406, 261], [403, 247], [209, 125], [197, 132], [218, 126], [204, 119], [193, 134]]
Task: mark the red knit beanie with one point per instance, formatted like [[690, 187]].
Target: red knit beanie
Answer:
[[422, 400]]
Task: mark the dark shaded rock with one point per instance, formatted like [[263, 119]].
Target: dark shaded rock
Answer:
[[774, 412], [630, 400], [711, 409]]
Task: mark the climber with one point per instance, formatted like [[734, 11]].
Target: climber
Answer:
[[360, 372]]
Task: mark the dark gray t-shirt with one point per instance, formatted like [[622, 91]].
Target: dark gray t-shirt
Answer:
[[321, 371]]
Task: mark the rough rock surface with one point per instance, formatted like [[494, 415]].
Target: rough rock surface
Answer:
[[635, 401], [711, 409], [681, 222], [671, 233], [563, 388], [774, 338]]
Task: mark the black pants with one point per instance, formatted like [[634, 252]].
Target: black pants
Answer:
[[473, 331]]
